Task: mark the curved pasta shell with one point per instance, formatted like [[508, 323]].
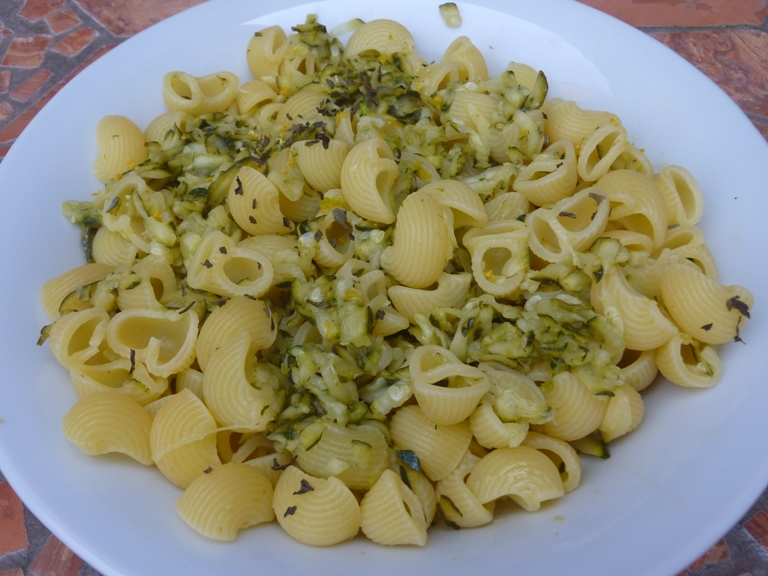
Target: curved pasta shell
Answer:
[[335, 246], [572, 224], [682, 195], [300, 108], [118, 377], [644, 325], [464, 202], [382, 38], [551, 176], [638, 368], [254, 94], [157, 129], [451, 292], [54, 291], [685, 363], [367, 176], [315, 511], [475, 109], [113, 249], [232, 397], [265, 52], [362, 452], [624, 413], [183, 438], [577, 411], [254, 203], [636, 204], [391, 514], [120, 212], [500, 256], [435, 77], [439, 447], [163, 340], [199, 95], [104, 423], [227, 499], [507, 206], [424, 490], [522, 473], [563, 455], [491, 432], [223, 268], [447, 390], [151, 279], [120, 147], [231, 318], [470, 60], [702, 307], [600, 149], [321, 162], [457, 502], [566, 120], [76, 337], [688, 242], [422, 245], [524, 74]]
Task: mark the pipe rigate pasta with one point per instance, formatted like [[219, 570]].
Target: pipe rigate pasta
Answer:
[[359, 290]]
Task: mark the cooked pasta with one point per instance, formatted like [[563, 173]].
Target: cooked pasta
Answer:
[[358, 292]]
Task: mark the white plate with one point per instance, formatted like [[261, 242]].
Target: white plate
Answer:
[[671, 488]]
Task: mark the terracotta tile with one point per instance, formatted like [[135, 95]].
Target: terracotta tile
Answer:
[[75, 42], [62, 20], [13, 532], [6, 109], [4, 151], [12, 131], [757, 526], [717, 553], [5, 81], [5, 31], [36, 9], [737, 60], [55, 558], [127, 17], [683, 12], [13, 572], [31, 86], [26, 52]]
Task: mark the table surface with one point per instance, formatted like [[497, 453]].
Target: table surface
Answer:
[[45, 43]]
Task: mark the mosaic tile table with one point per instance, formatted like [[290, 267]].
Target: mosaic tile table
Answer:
[[44, 43]]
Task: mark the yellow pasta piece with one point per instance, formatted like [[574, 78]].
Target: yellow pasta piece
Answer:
[[225, 500], [391, 514], [104, 423], [120, 145]]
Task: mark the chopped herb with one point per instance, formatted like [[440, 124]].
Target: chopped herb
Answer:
[[238, 186], [410, 459], [305, 487], [208, 470], [449, 523], [290, 511], [251, 219], [318, 235], [223, 250], [608, 393], [286, 222], [596, 197], [277, 466], [254, 204], [707, 327], [598, 274], [187, 307], [404, 477], [133, 285], [341, 217], [442, 383], [740, 306], [113, 205], [380, 313], [133, 361], [207, 264], [565, 214]]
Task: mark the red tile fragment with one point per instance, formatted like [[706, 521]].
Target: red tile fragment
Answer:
[[683, 12], [12, 131], [128, 17], [62, 20], [735, 59], [55, 558], [5, 81], [26, 52], [31, 86], [717, 553], [757, 526], [36, 9], [75, 42], [6, 109], [13, 532]]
